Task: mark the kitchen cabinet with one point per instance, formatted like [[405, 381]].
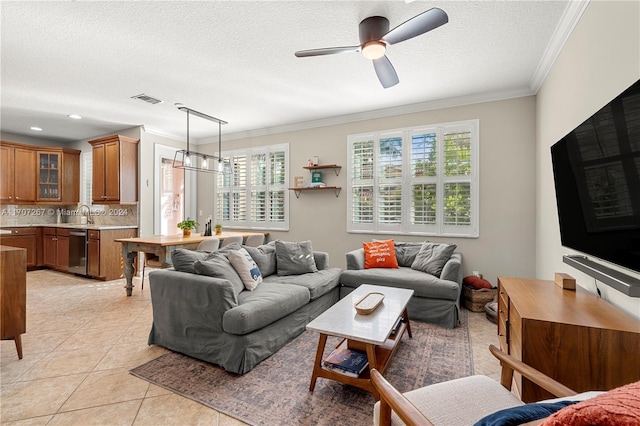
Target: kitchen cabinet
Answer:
[[115, 170], [17, 174], [104, 257], [59, 176], [56, 248], [26, 238], [13, 295], [35, 174], [573, 336], [93, 254]]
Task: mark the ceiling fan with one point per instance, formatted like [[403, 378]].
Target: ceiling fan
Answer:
[[375, 37]]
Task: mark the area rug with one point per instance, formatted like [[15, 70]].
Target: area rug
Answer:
[[277, 390]]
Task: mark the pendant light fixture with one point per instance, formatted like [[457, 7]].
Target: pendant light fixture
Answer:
[[192, 160]]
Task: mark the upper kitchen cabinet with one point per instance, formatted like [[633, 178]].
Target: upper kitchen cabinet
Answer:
[[17, 174], [115, 170], [58, 175]]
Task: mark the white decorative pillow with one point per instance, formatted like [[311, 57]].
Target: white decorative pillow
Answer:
[[246, 267]]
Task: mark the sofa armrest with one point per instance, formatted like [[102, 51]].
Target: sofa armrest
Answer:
[[355, 259], [452, 270], [181, 299], [322, 259]]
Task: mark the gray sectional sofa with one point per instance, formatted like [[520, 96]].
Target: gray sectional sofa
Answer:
[[436, 299], [210, 318]]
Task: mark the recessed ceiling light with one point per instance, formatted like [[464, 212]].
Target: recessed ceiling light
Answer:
[[37, 129], [74, 116]]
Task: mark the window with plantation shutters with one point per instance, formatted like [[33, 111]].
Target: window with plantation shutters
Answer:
[[421, 180], [86, 177], [251, 193], [86, 181]]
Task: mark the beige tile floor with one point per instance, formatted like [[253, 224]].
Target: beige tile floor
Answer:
[[83, 337]]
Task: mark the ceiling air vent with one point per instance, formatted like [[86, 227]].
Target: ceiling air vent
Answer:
[[147, 99]]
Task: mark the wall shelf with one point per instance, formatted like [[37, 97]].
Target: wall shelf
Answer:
[[298, 191], [336, 168]]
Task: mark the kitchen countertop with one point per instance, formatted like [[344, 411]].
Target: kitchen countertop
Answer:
[[71, 226]]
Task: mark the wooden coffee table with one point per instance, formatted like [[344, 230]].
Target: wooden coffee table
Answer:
[[369, 333]]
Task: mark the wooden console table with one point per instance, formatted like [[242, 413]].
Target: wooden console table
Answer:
[[13, 295], [574, 337], [163, 246]]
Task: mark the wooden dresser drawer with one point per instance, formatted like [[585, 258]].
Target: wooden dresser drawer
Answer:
[[503, 324]]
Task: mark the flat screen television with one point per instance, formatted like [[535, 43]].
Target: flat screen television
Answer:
[[596, 170]]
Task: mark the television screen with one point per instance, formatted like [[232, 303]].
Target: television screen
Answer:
[[596, 170]]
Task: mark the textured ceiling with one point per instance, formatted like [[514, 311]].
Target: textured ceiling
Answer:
[[235, 60]]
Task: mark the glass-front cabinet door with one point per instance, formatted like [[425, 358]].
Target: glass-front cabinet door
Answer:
[[48, 176]]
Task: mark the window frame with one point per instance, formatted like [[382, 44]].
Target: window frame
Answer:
[[405, 227], [249, 187]]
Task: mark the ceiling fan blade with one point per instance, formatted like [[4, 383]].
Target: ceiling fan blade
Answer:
[[327, 51], [385, 71], [417, 25]]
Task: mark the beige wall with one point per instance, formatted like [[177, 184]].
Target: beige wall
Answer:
[[599, 61], [507, 185]]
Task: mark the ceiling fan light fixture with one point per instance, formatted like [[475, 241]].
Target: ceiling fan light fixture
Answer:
[[374, 50]]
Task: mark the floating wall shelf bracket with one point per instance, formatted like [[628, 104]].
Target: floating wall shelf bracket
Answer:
[[336, 168], [298, 191]]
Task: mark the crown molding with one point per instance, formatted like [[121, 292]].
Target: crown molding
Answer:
[[567, 24], [379, 113]]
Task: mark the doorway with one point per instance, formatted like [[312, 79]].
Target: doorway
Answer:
[[171, 197], [172, 189]]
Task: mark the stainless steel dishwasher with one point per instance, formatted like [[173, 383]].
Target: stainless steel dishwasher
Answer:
[[78, 251]]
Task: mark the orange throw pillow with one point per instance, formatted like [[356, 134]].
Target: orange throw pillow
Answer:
[[380, 254], [617, 407]]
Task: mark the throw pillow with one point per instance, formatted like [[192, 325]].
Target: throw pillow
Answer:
[[265, 258], [432, 257], [620, 406], [245, 267], [406, 252], [522, 414], [294, 258], [476, 282], [218, 266], [380, 254], [183, 260]]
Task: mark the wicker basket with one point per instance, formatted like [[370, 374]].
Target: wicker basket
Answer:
[[475, 298]]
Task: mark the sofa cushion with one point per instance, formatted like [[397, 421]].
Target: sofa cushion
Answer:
[[267, 303], [265, 258], [218, 266], [423, 285], [379, 254], [432, 257], [246, 268], [294, 258], [318, 283], [183, 259]]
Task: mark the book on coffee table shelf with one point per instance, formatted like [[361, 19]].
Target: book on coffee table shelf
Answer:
[[396, 326], [346, 361]]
